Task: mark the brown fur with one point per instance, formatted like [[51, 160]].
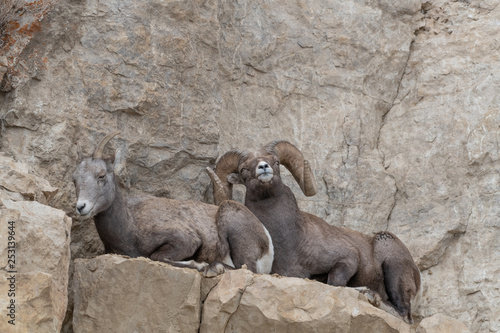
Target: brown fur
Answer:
[[308, 247], [136, 224]]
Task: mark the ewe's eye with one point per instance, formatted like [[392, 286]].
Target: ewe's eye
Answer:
[[101, 175]]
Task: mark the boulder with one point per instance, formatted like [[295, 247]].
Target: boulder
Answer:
[[247, 302], [116, 294], [17, 183], [39, 288], [440, 323]]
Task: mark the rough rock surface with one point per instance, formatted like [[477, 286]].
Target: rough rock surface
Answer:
[[244, 302], [395, 105], [18, 184], [115, 294], [34, 275], [440, 323]]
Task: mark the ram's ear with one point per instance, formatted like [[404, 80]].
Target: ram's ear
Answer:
[[235, 178]]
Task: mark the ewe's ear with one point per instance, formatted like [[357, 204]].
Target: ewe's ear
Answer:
[[119, 160], [79, 152], [234, 178], [119, 168]]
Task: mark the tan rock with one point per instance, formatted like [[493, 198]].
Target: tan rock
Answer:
[[116, 294], [17, 183], [244, 302], [440, 323], [40, 270]]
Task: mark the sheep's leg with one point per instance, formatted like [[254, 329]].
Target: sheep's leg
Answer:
[[374, 299], [401, 275], [173, 255], [342, 272], [399, 284], [176, 251], [216, 268], [199, 266]]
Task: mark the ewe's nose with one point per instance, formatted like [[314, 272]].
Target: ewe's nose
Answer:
[[80, 207]]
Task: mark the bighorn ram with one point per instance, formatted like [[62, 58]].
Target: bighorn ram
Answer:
[[305, 245], [182, 233]]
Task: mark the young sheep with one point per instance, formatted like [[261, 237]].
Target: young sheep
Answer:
[[182, 233], [305, 245]]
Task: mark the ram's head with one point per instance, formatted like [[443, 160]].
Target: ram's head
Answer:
[[259, 171]]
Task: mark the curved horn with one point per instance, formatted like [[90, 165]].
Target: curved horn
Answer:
[[227, 164], [100, 147], [294, 161]]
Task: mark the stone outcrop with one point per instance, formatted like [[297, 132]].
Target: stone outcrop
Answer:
[[440, 323], [16, 183], [113, 293], [34, 252], [395, 105], [244, 302]]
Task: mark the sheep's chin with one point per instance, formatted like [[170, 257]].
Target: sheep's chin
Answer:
[[266, 177], [90, 214], [86, 216]]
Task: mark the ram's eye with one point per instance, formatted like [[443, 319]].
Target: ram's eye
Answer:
[[102, 175]]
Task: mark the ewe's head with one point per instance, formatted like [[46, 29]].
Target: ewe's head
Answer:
[[260, 171], [94, 180]]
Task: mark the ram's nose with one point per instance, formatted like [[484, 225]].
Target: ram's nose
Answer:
[[264, 172], [263, 165]]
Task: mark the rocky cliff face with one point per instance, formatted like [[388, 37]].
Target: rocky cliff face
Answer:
[[394, 105]]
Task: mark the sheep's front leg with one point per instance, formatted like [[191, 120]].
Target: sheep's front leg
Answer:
[[174, 256], [342, 272], [176, 251]]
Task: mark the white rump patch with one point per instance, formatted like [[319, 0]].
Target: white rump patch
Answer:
[[228, 260], [265, 263]]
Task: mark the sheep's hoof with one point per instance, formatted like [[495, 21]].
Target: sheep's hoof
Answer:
[[371, 296], [374, 299], [214, 269]]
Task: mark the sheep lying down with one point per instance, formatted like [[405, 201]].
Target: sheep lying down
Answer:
[[305, 245], [277, 236], [183, 233]]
